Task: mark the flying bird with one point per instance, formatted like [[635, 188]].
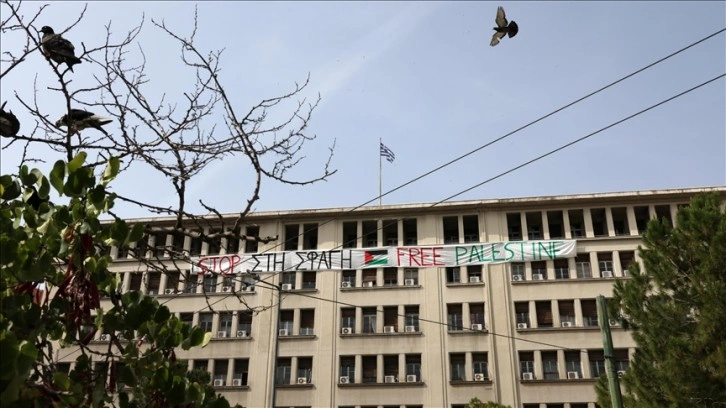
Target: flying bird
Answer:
[[503, 27], [81, 119], [9, 124], [58, 48]]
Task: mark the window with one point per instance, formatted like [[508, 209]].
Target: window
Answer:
[[664, 211], [369, 320], [284, 370], [599, 223], [310, 236], [215, 244], [555, 223], [200, 365], [476, 313], [454, 316], [573, 364], [135, 281], [577, 223], [517, 271], [453, 274], [159, 244], [122, 252], [620, 221], [370, 367], [514, 226], [410, 276], [390, 276], [539, 270], [390, 368], [369, 277], [305, 369], [457, 361], [220, 370], [526, 363], [225, 323], [241, 371], [605, 264], [141, 247], [411, 317], [244, 322], [413, 365], [350, 234], [474, 272], [370, 234], [347, 319], [251, 245], [451, 230], [549, 365], [544, 313], [347, 368], [286, 322], [567, 312], [308, 279], [390, 232], [622, 361], [190, 282], [64, 367], [626, 261], [390, 318], [205, 321], [288, 278], [642, 216], [534, 225], [582, 266], [292, 235], [589, 312], [210, 283], [348, 279], [521, 310], [562, 269], [177, 242], [307, 322], [228, 282], [597, 363], [471, 228], [153, 282], [410, 231], [233, 242], [480, 364], [172, 281], [195, 247], [187, 318]]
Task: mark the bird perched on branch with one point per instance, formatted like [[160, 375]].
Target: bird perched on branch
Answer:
[[81, 119], [58, 48], [9, 124], [503, 27]]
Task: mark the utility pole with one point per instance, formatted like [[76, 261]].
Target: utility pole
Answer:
[[607, 343]]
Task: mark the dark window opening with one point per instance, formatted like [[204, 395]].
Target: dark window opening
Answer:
[[451, 229], [410, 231], [514, 226], [555, 223], [292, 235], [310, 236], [370, 234], [620, 221], [350, 234], [534, 225], [390, 232], [471, 228]]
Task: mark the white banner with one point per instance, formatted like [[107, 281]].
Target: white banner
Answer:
[[434, 256]]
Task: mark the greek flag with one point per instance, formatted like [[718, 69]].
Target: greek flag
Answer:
[[387, 153]]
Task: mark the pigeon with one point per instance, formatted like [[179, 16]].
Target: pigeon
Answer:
[[9, 124], [503, 28], [58, 48], [81, 119]]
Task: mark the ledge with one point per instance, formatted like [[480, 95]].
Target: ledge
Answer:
[[233, 388], [559, 381], [384, 384], [298, 337], [293, 386], [466, 382], [468, 332], [418, 333], [385, 287], [463, 284]]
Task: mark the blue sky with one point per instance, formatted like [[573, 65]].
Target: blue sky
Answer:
[[422, 76]]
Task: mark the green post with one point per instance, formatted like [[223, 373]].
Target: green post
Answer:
[[607, 343]]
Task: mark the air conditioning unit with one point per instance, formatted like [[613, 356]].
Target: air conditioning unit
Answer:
[[218, 383], [104, 337], [389, 329], [409, 282], [528, 376], [614, 323], [347, 330], [370, 284], [521, 325], [302, 380], [566, 324], [344, 380], [607, 274], [410, 329], [517, 278], [474, 279], [249, 288], [389, 379], [226, 288], [626, 272], [411, 378], [537, 276], [621, 373], [221, 334], [283, 332], [573, 375], [236, 382], [345, 284], [151, 292], [169, 291], [479, 377], [477, 326], [241, 333], [287, 286]]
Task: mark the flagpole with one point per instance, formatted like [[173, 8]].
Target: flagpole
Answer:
[[380, 171]]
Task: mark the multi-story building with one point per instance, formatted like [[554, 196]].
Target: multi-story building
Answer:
[[524, 334]]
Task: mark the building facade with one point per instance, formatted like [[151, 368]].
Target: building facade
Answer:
[[524, 334]]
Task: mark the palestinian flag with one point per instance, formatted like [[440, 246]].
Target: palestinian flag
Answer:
[[375, 258]]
